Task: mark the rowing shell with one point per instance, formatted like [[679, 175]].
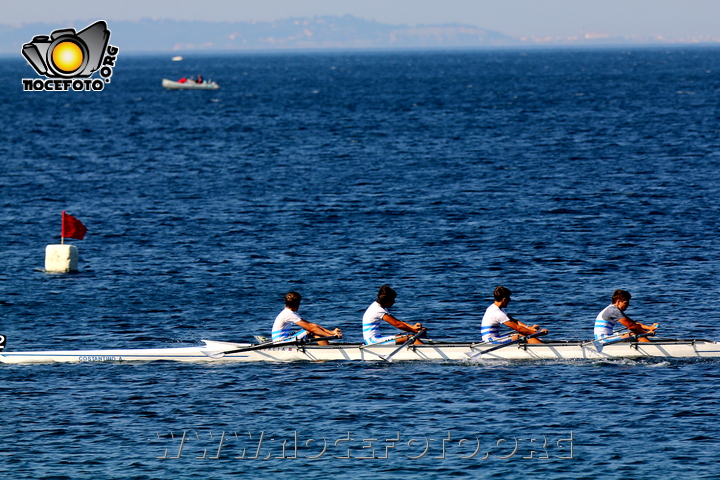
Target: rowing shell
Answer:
[[213, 351]]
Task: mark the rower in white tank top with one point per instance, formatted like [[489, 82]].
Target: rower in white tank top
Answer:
[[283, 325], [378, 312]]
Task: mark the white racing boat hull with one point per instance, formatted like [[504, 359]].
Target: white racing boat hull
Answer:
[[466, 352], [189, 85]]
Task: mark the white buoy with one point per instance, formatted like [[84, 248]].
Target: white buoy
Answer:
[[61, 258]]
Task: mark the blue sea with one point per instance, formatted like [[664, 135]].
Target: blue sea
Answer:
[[560, 174]]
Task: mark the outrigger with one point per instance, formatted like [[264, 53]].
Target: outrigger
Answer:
[[306, 350]]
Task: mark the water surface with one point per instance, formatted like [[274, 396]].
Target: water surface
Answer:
[[562, 175]]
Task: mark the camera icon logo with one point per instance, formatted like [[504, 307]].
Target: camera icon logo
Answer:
[[67, 53]]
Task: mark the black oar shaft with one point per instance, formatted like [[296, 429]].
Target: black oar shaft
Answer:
[[298, 342], [534, 335], [617, 337], [407, 342]]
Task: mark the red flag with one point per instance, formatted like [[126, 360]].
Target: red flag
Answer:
[[72, 227]]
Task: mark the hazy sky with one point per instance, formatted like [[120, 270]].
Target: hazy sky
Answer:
[[670, 18]]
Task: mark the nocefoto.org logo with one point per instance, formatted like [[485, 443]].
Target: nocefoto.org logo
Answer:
[[67, 59]]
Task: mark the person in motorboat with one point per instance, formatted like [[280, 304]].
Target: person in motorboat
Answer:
[[378, 312], [288, 318], [495, 315], [182, 80], [199, 79], [615, 312]]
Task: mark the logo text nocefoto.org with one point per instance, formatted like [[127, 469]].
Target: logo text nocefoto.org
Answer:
[[67, 59]]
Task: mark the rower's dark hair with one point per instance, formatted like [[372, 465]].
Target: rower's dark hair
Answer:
[[501, 292], [292, 299], [386, 293], [622, 295]]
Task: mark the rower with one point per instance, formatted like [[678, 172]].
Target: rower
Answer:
[[377, 312], [282, 328], [495, 315], [615, 312]]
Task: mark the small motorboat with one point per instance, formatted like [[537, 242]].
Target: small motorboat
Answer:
[[189, 84]]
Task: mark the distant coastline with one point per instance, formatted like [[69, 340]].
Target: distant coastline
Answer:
[[318, 33]]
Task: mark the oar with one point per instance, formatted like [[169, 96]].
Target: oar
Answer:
[[407, 342], [497, 347], [262, 346]]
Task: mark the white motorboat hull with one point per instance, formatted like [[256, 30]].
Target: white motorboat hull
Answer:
[[466, 352], [189, 85]]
